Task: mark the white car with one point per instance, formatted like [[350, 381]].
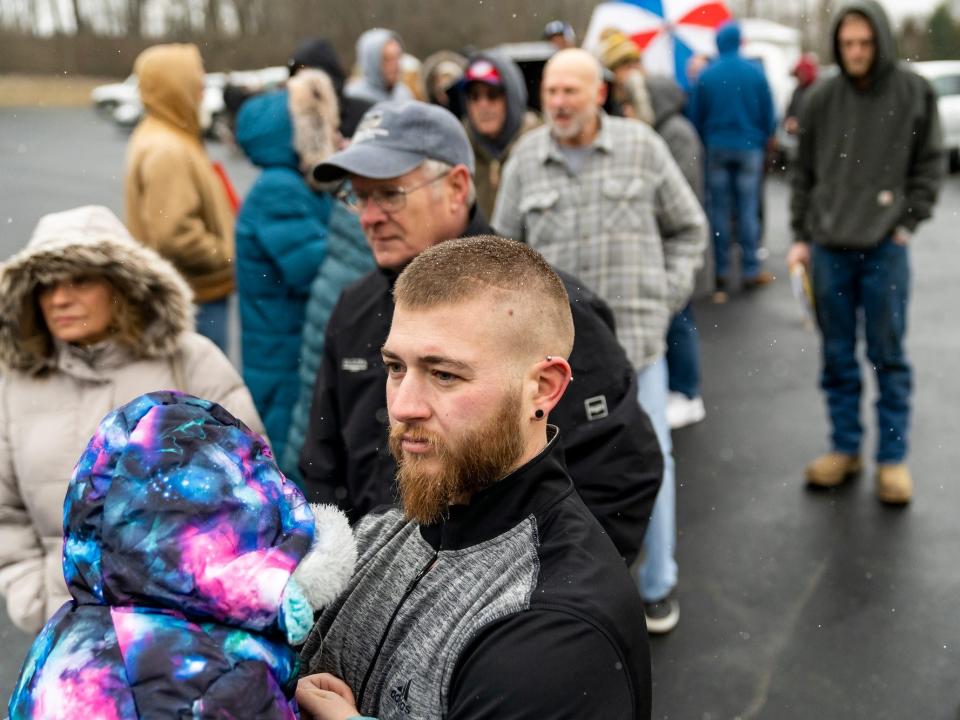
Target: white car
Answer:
[[944, 76], [121, 101], [107, 98], [127, 112]]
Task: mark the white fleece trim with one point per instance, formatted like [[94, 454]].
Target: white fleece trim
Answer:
[[324, 573]]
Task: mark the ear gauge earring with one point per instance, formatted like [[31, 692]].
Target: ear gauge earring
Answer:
[[538, 414]]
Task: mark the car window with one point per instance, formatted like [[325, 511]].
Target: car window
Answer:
[[946, 85]]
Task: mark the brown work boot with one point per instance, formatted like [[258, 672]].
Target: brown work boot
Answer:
[[833, 468], [894, 484], [720, 291], [763, 278]]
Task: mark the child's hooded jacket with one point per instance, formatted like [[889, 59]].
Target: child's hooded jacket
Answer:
[[181, 538]]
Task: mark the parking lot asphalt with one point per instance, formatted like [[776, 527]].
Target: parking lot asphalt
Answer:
[[794, 604]]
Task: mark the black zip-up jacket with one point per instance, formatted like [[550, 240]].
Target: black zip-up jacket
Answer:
[[515, 607], [610, 445]]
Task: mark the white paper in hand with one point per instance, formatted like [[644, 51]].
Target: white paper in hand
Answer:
[[800, 284]]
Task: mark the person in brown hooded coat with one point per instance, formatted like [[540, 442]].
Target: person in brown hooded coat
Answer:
[[175, 202]]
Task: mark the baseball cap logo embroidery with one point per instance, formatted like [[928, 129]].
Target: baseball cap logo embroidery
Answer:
[[483, 71], [369, 128]]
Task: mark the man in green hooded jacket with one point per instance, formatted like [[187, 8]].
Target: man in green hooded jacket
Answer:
[[870, 165]]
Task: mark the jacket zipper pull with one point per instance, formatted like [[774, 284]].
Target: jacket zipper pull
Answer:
[[423, 571]]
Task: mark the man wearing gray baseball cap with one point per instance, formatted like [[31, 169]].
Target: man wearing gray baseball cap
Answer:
[[408, 176], [393, 138], [410, 171]]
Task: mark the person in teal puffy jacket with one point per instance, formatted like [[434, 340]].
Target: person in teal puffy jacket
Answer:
[[282, 236], [348, 258]]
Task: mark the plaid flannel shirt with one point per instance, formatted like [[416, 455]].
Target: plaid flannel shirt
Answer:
[[628, 225]]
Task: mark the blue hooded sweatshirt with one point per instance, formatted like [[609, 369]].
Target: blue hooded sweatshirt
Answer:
[[282, 234], [731, 105]]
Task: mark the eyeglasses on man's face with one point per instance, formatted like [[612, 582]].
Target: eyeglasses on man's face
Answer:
[[389, 198]]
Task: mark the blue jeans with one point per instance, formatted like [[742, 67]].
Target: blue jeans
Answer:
[[873, 284], [683, 354], [734, 180], [657, 576], [212, 322]]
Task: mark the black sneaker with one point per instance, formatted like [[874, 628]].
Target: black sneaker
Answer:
[[662, 615]]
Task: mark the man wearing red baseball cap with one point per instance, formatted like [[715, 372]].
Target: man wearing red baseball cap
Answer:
[[496, 103]]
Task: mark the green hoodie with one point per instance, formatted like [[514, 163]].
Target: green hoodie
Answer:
[[870, 157]]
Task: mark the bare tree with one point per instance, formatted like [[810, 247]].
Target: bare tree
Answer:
[[212, 18], [79, 21], [135, 18], [914, 41], [246, 11], [32, 15], [19, 17], [824, 18]]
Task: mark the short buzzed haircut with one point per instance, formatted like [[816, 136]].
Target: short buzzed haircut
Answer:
[[459, 270]]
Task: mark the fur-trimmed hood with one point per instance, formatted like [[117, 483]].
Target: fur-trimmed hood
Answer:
[[296, 127], [88, 240]]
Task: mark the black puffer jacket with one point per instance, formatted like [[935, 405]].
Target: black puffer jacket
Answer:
[[611, 449]]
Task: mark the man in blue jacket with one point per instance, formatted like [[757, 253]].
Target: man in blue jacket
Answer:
[[732, 109]]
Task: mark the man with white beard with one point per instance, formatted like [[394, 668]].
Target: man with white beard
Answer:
[[602, 198]]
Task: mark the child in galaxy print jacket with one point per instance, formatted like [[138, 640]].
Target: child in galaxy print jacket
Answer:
[[194, 566]]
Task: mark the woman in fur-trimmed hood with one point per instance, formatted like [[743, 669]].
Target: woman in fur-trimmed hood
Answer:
[[89, 319], [286, 230]]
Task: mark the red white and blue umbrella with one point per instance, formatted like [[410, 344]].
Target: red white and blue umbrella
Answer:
[[668, 32]]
